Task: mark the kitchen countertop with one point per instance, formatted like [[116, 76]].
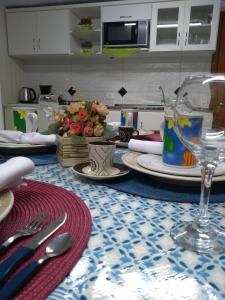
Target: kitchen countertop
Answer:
[[137, 107], [114, 107]]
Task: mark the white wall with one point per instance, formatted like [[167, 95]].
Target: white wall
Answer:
[[141, 77], [11, 72]]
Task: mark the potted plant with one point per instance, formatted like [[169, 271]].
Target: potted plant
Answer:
[[82, 122], [85, 23]]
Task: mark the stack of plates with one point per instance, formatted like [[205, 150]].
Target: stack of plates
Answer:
[[25, 149], [152, 164]]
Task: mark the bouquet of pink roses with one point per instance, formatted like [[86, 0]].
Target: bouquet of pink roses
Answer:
[[84, 119]]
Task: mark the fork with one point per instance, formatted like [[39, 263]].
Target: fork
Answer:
[[32, 227]]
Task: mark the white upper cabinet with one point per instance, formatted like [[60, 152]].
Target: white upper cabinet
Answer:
[[43, 32], [22, 33], [201, 24], [128, 12], [184, 25], [167, 26]]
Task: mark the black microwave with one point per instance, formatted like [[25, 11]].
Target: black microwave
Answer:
[[126, 34]]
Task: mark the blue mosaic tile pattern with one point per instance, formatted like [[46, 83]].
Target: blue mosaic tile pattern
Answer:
[[130, 254]]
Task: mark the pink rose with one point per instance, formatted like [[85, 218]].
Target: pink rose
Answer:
[[75, 107], [102, 109], [66, 123], [98, 130], [76, 128], [94, 107], [88, 131], [83, 115]]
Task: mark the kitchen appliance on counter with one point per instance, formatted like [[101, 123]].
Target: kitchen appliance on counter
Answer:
[[45, 89], [46, 97], [27, 95]]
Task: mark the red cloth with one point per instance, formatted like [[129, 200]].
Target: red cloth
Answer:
[[39, 197], [149, 137]]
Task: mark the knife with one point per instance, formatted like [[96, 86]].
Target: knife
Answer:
[[24, 252]]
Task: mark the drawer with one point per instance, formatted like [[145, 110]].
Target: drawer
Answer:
[[130, 12]]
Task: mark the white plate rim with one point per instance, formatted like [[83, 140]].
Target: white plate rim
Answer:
[[169, 170], [135, 166], [12, 145], [82, 174], [7, 193]]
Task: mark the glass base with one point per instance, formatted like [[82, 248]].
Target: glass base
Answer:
[[206, 240]]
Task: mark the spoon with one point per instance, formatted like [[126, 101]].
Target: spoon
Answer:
[[56, 247]]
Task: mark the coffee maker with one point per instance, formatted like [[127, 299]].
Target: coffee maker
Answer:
[[46, 96]]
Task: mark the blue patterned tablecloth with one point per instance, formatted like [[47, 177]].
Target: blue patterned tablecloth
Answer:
[[130, 254]]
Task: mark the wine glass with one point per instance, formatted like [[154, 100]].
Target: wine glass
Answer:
[[194, 100]]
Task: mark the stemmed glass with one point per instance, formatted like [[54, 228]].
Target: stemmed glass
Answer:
[[194, 100]]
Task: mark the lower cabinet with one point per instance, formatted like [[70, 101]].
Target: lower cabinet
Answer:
[[16, 118]]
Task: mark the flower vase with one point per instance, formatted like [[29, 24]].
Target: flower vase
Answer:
[[71, 152]]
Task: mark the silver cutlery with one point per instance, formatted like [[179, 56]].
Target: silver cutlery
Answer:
[[26, 251], [32, 227], [56, 247]]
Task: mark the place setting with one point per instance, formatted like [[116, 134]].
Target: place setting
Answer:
[[169, 160], [59, 232]]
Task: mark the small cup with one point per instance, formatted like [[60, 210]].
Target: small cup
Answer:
[[129, 118], [101, 158], [127, 132]]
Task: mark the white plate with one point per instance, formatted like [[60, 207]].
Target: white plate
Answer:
[[154, 163], [25, 149], [130, 160], [6, 203], [12, 145], [79, 169]]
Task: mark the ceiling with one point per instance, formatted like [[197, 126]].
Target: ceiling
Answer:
[[22, 3]]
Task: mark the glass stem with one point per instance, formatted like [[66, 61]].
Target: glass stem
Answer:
[[207, 171]]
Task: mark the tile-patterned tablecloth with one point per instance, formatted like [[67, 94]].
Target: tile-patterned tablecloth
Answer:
[[130, 254]]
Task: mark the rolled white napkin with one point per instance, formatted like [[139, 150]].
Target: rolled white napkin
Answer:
[[146, 146], [37, 138], [13, 169], [18, 137], [10, 136]]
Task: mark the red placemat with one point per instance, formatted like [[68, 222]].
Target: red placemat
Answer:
[[39, 197]]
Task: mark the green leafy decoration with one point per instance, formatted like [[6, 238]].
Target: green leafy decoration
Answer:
[[120, 52]]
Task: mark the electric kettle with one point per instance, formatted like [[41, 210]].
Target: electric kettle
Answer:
[[27, 95]]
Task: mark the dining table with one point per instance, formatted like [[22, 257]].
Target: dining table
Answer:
[[130, 254]]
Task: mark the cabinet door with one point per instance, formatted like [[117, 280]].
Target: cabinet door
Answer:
[[21, 29], [201, 24], [129, 12], [53, 32], [167, 26]]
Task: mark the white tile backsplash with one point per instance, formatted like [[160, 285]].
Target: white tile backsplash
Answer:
[[97, 80]]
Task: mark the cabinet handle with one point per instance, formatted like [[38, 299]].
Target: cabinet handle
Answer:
[[34, 45], [122, 17], [39, 40], [186, 34], [178, 42]]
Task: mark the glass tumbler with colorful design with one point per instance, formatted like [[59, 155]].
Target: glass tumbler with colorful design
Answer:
[[174, 152], [129, 118]]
